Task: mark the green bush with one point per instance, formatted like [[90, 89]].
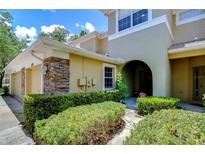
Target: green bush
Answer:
[[86, 124], [37, 107], [148, 104], [203, 100], [121, 85], [169, 127], [6, 90], [1, 91]]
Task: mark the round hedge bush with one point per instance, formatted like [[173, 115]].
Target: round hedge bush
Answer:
[[169, 127], [149, 104]]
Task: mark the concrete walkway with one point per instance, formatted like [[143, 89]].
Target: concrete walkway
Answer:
[[11, 131], [131, 118]]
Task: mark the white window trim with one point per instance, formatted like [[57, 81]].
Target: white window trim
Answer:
[[145, 25], [131, 26], [115, 75], [178, 22]]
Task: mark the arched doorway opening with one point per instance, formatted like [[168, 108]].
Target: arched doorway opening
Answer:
[[138, 77]]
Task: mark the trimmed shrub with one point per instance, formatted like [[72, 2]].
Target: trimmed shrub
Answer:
[[121, 85], [37, 107], [148, 104], [1, 91], [169, 127], [6, 90], [86, 124], [203, 100]]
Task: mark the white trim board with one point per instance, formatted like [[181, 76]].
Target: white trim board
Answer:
[[191, 19], [153, 22], [115, 75]]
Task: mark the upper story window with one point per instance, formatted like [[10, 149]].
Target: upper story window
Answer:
[[124, 19], [189, 16], [140, 16], [129, 18]]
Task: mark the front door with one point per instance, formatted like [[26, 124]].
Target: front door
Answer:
[[198, 82]]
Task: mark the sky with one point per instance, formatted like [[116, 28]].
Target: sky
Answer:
[[32, 22]]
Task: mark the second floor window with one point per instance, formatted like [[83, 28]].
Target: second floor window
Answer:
[[190, 15], [124, 19], [139, 16], [129, 18]]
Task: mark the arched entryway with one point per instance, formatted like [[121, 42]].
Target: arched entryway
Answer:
[[138, 77]]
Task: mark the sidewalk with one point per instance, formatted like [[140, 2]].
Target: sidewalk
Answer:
[[11, 131]]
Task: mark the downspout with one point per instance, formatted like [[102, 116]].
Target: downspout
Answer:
[[32, 53], [42, 81]]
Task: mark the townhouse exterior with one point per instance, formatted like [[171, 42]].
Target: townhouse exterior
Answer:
[[159, 52], [163, 50]]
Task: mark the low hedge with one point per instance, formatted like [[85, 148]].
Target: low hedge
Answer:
[[170, 127], [149, 104], [86, 124], [37, 107], [203, 100], [1, 91]]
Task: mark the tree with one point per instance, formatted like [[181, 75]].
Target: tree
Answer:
[[59, 34], [76, 36], [10, 45], [82, 33]]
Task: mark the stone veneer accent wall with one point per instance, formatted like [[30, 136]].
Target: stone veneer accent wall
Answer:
[[56, 79], [23, 81]]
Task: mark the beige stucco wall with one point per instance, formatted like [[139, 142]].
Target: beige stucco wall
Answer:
[[155, 13], [89, 44], [95, 44], [188, 31], [112, 23], [182, 76], [150, 46], [160, 12], [16, 82], [81, 67], [28, 81], [35, 80]]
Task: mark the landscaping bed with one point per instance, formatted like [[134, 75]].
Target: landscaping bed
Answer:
[[169, 127], [38, 107], [149, 104], [86, 124]]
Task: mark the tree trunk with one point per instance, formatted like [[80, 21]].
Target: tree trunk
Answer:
[[1, 78]]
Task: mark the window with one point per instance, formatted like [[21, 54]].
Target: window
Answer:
[[189, 16], [129, 18], [124, 19], [140, 16], [109, 76]]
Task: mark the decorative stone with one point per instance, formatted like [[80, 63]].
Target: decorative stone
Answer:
[[56, 79]]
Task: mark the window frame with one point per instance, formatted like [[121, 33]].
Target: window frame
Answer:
[[114, 75], [131, 27], [189, 20]]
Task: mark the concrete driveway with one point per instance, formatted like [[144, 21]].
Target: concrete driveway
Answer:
[[11, 130]]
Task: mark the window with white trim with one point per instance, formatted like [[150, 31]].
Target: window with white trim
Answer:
[[124, 19], [130, 18], [190, 15], [109, 77], [140, 16]]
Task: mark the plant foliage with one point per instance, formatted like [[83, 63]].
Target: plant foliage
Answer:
[[149, 104], [86, 124], [37, 107], [121, 85], [169, 127]]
